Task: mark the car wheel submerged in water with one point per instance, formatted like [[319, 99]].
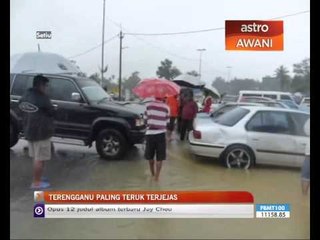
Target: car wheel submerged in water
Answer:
[[111, 144], [14, 138], [238, 156]]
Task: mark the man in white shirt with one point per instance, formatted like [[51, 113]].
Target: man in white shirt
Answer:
[[157, 114], [305, 171]]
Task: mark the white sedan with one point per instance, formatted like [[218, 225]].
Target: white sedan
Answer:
[[248, 135]]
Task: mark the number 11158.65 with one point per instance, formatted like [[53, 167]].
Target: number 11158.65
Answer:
[[272, 215]]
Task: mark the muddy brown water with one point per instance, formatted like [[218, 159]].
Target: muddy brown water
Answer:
[[80, 168]]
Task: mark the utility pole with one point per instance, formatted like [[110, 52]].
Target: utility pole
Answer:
[[102, 54], [38, 47], [120, 64], [200, 50]]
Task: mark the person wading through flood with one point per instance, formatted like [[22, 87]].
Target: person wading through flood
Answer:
[[38, 127], [157, 114], [173, 103], [189, 112]]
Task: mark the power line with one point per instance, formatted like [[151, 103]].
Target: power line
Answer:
[[151, 44], [290, 15], [176, 33], [91, 49], [207, 30], [164, 50], [186, 32]]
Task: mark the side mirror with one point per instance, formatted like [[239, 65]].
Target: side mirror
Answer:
[[75, 97]]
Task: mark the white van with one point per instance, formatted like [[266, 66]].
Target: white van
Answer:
[[275, 95]]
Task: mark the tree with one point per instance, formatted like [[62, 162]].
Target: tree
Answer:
[[193, 73], [303, 68], [167, 71], [95, 77], [107, 83], [301, 79], [281, 74], [132, 81]]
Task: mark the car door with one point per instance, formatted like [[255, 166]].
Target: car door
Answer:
[[19, 85], [72, 115], [271, 133], [300, 136]]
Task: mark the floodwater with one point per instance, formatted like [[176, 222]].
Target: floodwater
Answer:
[[80, 168]]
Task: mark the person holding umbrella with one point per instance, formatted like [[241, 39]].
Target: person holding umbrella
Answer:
[[207, 102], [157, 116]]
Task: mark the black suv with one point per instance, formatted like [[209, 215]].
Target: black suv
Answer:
[[84, 111]]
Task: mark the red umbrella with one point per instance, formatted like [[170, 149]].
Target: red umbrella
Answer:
[[156, 87]]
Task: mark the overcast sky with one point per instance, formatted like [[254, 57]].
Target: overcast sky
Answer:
[[76, 26]]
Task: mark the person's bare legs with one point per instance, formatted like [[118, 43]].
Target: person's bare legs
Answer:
[[37, 171], [305, 186], [151, 165], [158, 169]]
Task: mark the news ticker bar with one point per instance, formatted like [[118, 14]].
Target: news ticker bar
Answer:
[[145, 211], [153, 204], [116, 197]]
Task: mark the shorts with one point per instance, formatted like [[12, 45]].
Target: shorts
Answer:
[[40, 150], [305, 170], [156, 145], [171, 123]]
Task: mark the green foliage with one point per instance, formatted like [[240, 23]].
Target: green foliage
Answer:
[[167, 71], [281, 74], [301, 79], [132, 81]]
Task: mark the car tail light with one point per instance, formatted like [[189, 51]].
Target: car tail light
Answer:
[[196, 134]]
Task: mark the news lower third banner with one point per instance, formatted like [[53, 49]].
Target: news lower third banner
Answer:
[[145, 204]]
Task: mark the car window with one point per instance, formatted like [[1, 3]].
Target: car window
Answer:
[[271, 122], [21, 84], [272, 96], [61, 89], [285, 97], [255, 123], [94, 92], [222, 110], [251, 95], [290, 104], [278, 105], [230, 118], [299, 120], [11, 79]]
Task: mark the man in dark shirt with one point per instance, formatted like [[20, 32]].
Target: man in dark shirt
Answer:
[[38, 126], [189, 112]]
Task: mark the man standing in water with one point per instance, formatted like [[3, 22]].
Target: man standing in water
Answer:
[[38, 127], [157, 119]]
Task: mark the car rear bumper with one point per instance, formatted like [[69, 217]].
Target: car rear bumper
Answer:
[[205, 150], [137, 136]]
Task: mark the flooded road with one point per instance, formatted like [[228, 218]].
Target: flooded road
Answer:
[[80, 168]]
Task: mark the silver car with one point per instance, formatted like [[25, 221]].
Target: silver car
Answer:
[[250, 135]]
